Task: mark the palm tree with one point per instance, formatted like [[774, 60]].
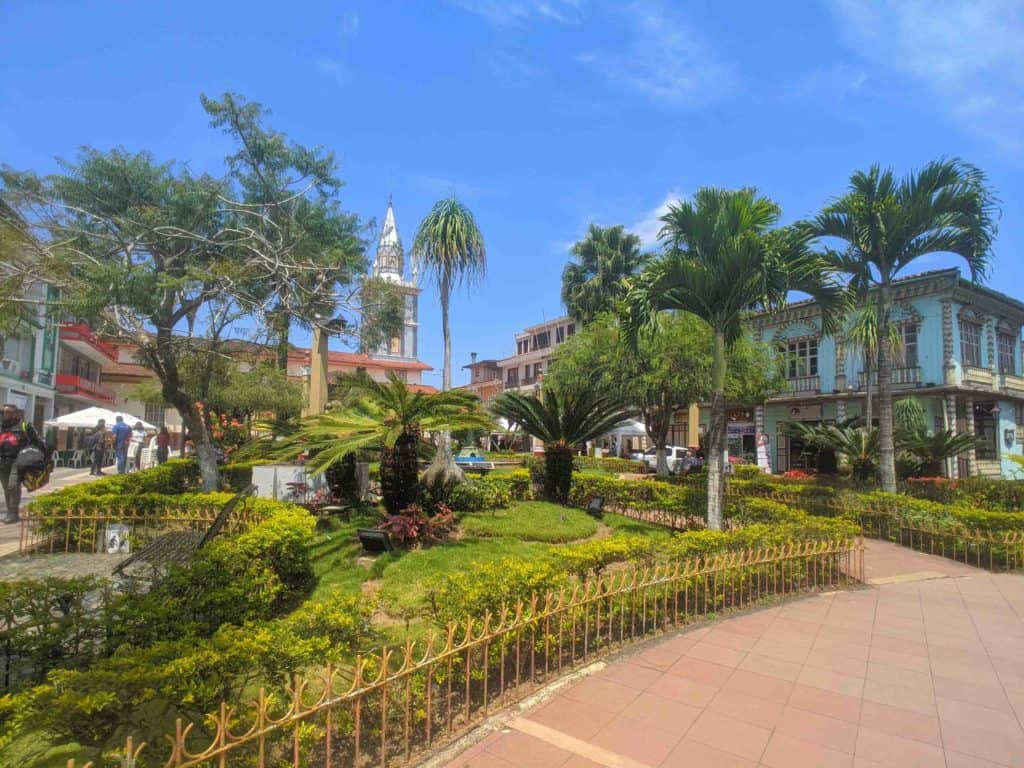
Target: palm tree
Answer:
[[594, 282], [889, 224], [723, 259], [450, 247], [862, 335], [561, 421], [388, 416]]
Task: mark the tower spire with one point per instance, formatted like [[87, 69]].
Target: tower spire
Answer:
[[390, 261]]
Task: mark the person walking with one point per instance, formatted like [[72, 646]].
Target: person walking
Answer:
[[163, 445], [122, 434], [96, 445], [15, 434], [136, 443]]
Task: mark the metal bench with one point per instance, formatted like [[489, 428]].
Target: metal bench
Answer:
[[177, 547]]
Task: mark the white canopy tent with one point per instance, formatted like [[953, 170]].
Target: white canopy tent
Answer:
[[627, 429], [87, 418]]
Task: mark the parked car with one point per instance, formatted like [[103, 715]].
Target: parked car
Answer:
[[680, 459]]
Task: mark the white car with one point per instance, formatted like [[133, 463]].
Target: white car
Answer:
[[679, 458]]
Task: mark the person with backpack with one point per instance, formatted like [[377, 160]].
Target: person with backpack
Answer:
[[16, 437], [96, 445]]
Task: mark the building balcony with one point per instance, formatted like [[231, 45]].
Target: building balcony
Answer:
[[12, 368], [802, 385], [80, 337], [974, 375], [1012, 383], [77, 388], [901, 377]]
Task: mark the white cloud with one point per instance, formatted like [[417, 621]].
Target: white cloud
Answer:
[[648, 226], [967, 52], [517, 12], [661, 57]]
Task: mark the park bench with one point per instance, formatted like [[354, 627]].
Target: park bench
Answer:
[[596, 507], [177, 547]]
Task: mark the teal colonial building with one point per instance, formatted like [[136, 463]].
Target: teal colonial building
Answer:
[[28, 358], [960, 356]]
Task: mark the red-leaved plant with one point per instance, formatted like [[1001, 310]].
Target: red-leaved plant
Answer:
[[412, 525]]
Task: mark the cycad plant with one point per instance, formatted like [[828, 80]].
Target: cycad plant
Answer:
[[562, 422], [857, 446], [933, 450], [389, 417]]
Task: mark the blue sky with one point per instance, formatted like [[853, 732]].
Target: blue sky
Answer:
[[543, 115]]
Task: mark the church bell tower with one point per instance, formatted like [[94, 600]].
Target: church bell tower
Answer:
[[389, 265]]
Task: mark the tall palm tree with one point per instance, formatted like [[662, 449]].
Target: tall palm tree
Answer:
[[888, 224], [451, 249], [724, 258], [561, 421], [861, 335], [388, 416], [594, 282]]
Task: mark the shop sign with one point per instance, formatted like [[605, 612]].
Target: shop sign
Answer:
[[805, 412], [734, 431], [739, 414]]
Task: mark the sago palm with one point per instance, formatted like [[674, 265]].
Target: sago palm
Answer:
[[388, 416], [593, 283], [933, 450], [857, 446], [724, 258], [888, 225], [562, 422], [450, 248]]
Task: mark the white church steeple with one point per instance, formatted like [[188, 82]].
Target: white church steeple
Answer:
[[389, 264], [390, 260]]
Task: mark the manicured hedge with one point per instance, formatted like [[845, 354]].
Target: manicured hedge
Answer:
[[1000, 495], [609, 464]]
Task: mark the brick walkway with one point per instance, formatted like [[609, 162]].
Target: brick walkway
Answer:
[[923, 668]]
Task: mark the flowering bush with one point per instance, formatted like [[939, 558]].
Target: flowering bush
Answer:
[[798, 474], [413, 525]]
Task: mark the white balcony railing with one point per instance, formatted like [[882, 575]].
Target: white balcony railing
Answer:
[[804, 384], [900, 377], [1011, 382], [974, 375]]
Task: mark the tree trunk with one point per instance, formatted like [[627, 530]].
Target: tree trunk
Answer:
[[557, 473], [662, 460], [443, 471], [399, 470], [868, 405], [657, 418], [887, 447], [716, 435], [280, 324]]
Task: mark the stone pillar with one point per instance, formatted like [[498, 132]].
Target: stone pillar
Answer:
[[764, 460], [972, 454], [990, 344], [950, 404], [317, 402], [840, 366], [949, 367], [693, 425], [840, 411]]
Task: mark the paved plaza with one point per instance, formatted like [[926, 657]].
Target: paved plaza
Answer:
[[923, 667]]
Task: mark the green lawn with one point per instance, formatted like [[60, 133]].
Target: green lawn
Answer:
[[403, 579], [531, 521]]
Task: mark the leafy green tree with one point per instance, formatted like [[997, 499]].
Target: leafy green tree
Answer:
[[888, 225], [669, 368], [562, 422], [451, 249], [722, 259], [388, 416], [288, 193], [594, 282]]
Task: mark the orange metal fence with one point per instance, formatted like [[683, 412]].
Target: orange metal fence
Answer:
[[392, 705], [83, 530], [991, 551]]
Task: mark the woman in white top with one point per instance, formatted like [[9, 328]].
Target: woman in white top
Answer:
[[138, 439]]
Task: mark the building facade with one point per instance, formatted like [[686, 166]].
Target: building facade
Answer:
[[28, 358], [524, 371], [960, 356], [485, 380]]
